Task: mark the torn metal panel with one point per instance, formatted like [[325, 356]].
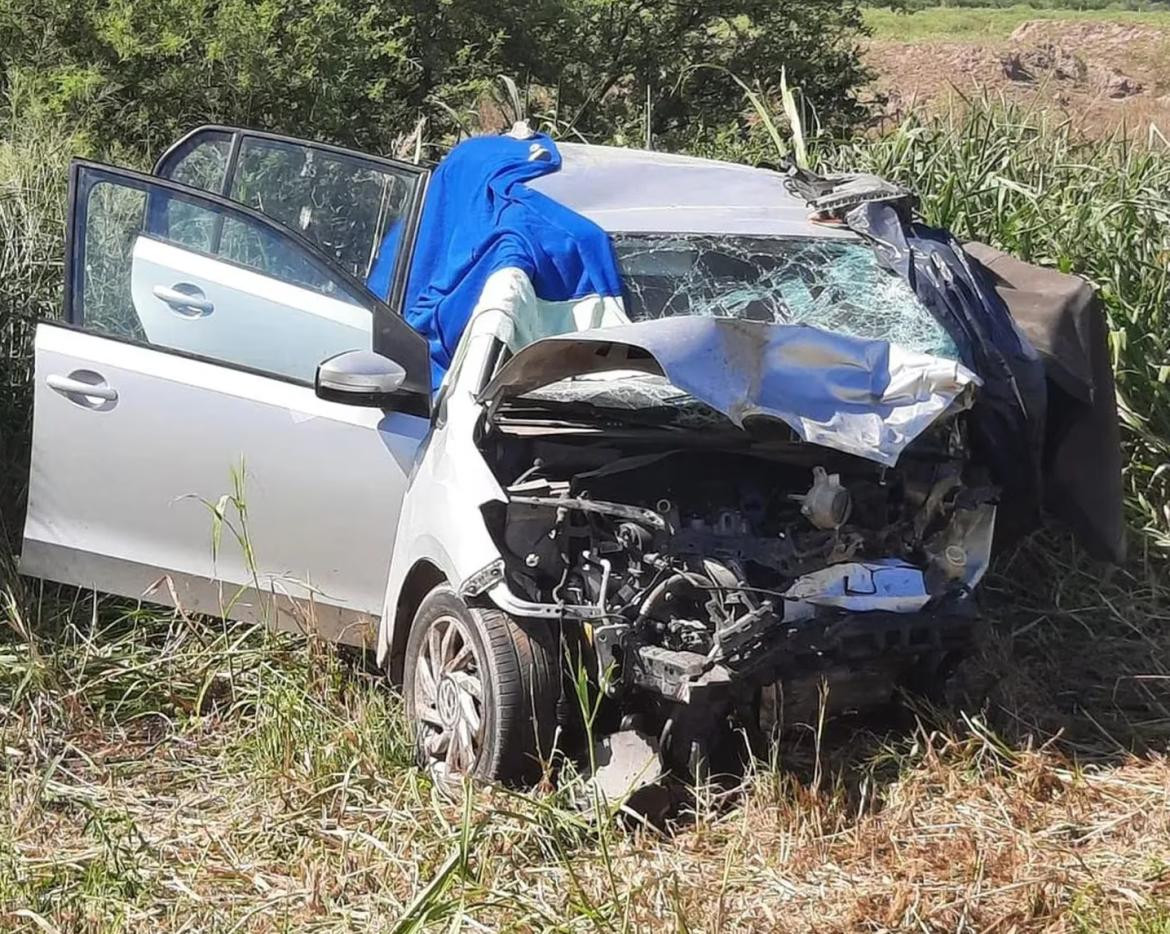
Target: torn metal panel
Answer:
[[865, 397]]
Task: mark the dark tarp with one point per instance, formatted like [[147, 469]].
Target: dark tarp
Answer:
[[1007, 423], [1063, 318], [1046, 421]]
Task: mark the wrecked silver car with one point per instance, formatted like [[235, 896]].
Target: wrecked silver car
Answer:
[[768, 474], [729, 442]]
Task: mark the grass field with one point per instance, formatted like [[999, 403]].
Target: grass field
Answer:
[[987, 24], [173, 774], [164, 773]]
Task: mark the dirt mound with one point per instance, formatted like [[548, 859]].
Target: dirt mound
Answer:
[[1098, 74], [1089, 32], [1027, 63], [1049, 61]]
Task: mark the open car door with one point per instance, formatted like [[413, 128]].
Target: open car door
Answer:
[[183, 372], [357, 209]]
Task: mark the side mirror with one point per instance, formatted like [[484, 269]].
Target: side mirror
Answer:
[[359, 377]]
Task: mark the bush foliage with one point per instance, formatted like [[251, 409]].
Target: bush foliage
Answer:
[[362, 73]]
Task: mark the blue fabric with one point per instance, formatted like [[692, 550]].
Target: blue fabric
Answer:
[[479, 217]]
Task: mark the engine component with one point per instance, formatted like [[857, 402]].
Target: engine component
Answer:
[[827, 504], [681, 676], [582, 504], [955, 561], [730, 522], [961, 552], [706, 574]]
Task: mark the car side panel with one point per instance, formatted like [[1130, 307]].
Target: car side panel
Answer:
[[441, 521], [277, 326], [138, 483]]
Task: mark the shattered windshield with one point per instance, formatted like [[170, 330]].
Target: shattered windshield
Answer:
[[835, 285]]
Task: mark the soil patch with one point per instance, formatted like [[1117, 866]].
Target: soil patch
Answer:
[[1100, 75]]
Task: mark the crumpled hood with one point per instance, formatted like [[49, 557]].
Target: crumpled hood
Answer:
[[865, 397]]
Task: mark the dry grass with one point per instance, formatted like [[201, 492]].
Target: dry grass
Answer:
[[191, 776]]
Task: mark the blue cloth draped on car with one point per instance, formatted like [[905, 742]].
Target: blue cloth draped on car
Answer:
[[479, 217]]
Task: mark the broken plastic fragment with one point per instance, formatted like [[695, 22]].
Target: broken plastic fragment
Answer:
[[827, 504], [860, 587]]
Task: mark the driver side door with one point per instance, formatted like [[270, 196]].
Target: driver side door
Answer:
[[180, 453]]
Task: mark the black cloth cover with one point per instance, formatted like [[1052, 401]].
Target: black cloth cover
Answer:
[[1063, 318], [1046, 421], [1007, 422]]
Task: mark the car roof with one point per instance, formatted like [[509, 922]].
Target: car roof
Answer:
[[637, 190]]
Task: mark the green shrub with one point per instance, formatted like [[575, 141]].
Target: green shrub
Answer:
[[34, 159], [363, 73]]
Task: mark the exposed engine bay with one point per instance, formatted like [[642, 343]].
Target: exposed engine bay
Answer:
[[721, 572]]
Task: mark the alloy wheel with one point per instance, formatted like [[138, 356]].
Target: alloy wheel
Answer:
[[448, 700]]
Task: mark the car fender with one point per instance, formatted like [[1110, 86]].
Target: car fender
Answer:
[[441, 522]]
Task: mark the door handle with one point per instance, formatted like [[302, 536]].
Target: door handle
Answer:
[[184, 298], [84, 387]]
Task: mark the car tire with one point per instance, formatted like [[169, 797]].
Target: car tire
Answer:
[[481, 690]]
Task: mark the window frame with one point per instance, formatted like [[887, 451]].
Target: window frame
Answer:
[[239, 135], [389, 333]]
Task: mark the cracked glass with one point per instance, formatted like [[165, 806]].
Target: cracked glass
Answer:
[[835, 285]]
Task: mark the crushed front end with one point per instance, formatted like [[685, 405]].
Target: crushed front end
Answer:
[[722, 574]]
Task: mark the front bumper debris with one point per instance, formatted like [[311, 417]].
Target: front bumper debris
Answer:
[[850, 640]]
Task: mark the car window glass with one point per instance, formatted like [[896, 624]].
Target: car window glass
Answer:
[[215, 233], [259, 301], [112, 221], [259, 248], [836, 285], [344, 205], [204, 162], [202, 165]]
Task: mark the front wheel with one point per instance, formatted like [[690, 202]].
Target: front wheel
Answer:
[[481, 690]]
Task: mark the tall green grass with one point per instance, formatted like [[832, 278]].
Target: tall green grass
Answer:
[[36, 145], [34, 157], [1025, 182]]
